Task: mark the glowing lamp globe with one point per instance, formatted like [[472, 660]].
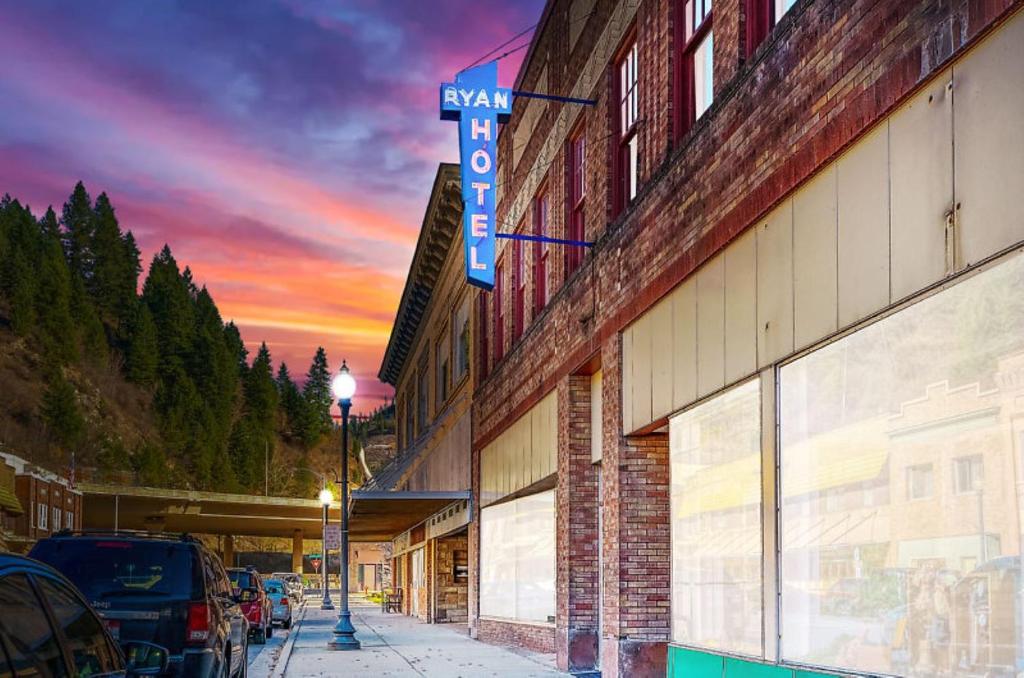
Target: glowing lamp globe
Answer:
[[326, 497], [343, 386]]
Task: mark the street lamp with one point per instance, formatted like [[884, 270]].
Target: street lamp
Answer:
[[325, 500], [343, 386]]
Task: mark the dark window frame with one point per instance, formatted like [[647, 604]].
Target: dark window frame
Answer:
[[625, 123], [541, 250], [576, 194], [499, 312], [686, 92]]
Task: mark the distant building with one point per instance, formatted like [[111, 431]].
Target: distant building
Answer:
[[42, 503], [428, 362]]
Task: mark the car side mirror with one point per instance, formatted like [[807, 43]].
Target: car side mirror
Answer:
[[144, 659]]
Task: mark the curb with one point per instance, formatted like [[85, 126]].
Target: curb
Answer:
[[286, 650]]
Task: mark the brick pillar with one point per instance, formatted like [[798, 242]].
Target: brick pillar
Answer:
[[636, 547], [229, 551], [297, 551], [473, 540], [576, 542]]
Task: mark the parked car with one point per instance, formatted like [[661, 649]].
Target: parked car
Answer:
[[281, 601], [159, 588], [247, 586], [48, 629], [293, 584]]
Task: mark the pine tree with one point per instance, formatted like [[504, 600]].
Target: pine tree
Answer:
[[90, 329], [167, 295], [78, 219], [57, 329], [291, 404], [60, 411], [317, 396], [142, 354], [18, 266], [115, 266]]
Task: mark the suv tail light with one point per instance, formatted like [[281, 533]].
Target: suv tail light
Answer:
[[197, 630], [284, 600]]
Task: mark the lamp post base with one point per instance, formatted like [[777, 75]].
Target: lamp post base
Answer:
[[344, 634], [327, 604]]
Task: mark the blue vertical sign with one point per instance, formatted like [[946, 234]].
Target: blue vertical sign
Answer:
[[478, 104]]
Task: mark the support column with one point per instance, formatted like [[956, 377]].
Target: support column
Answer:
[[229, 551], [297, 552], [636, 548], [576, 539]]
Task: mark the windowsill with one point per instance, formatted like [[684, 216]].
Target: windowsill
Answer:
[[518, 622]]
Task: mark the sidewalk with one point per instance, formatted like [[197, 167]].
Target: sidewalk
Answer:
[[396, 645]]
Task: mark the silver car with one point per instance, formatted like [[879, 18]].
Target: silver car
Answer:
[[293, 584], [280, 601]]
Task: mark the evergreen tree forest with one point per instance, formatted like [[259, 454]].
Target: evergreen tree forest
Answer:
[[142, 381]]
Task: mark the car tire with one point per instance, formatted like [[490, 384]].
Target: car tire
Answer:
[[270, 630], [287, 623], [259, 636]]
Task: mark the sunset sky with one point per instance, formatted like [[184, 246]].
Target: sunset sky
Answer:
[[284, 150]]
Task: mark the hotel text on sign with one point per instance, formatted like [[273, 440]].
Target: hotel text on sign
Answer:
[[478, 104]]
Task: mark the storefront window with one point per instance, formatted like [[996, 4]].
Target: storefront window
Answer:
[[900, 513], [517, 559], [715, 451]]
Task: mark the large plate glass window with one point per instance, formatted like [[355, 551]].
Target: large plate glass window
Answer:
[[715, 454], [900, 502], [517, 559]]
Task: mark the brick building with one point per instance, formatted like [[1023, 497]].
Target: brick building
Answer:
[[43, 503], [712, 444], [428, 363]]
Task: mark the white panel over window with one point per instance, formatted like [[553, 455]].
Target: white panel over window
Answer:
[[900, 512], [715, 453], [703, 75], [517, 559]]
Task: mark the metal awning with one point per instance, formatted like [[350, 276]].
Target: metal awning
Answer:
[[382, 515]]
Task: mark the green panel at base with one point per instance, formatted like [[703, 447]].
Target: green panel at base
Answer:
[[735, 668], [683, 663], [687, 663]]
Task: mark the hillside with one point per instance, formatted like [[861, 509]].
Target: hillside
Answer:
[[143, 383]]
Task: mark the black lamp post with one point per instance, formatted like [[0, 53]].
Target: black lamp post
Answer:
[[343, 386], [325, 500]]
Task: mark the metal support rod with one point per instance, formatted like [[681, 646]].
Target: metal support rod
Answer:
[[554, 97], [344, 632], [543, 238], [326, 604]]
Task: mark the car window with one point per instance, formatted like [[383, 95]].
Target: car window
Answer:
[[29, 637], [113, 568], [92, 653], [240, 579]]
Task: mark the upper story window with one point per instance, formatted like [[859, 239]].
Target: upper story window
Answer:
[[518, 288], [761, 17], [481, 333], [423, 384], [576, 166], [541, 269], [410, 419], [460, 339], [696, 62], [627, 94], [499, 312], [43, 516], [444, 372]]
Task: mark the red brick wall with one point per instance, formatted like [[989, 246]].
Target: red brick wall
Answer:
[[576, 540], [819, 81], [538, 638]]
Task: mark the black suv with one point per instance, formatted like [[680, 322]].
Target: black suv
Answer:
[[160, 588]]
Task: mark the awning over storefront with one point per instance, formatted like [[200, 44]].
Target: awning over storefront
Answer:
[[381, 515]]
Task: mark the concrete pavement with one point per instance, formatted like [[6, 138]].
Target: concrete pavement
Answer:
[[396, 645]]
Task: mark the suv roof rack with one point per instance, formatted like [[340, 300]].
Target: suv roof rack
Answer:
[[168, 536]]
